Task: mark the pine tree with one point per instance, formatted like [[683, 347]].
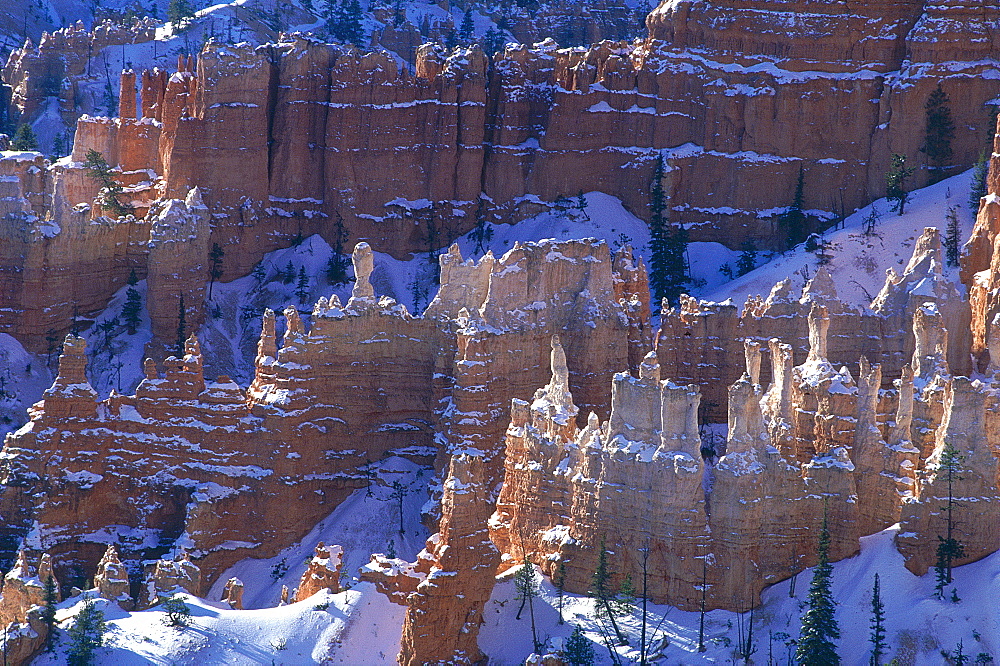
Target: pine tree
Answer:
[[302, 286], [951, 238], [215, 256], [877, 626], [895, 182], [468, 28], [819, 624], [24, 138], [668, 246], [49, 613], [600, 591], [581, 205], [793, 222], [336, 268], [747, 260], [578, 650], [949, 548], [938, 133], [288, 274], [178, 614], [181, 328], [560, 581], [111, 190], [524, 584], [624, 602], [132, 309], [179, 11], [978, 190], [86, 634]]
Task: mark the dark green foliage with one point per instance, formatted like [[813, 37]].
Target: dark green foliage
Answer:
[[560, 582], [951, 238], [390, 552], [949, 548], [86, 635], [938, 133], [527, 588], [49, 613], [288, 274], [181, 328], [466, 31], [177, 612], [793, 223], [581, 205], [819, 624], [24, 138], [132, 309], [179, 11], [895, 182], [978, 190], [578, 651], [601, 592], [215, 256], [99, 170], [748, 258], [877, 637], [958, 656], [302, 286], [668, 273], [493, 41], [344, 22], [624, 602], [336, 268]]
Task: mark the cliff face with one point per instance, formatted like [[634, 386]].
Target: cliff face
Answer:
[[186, 461], [272, 136], [817, 442]]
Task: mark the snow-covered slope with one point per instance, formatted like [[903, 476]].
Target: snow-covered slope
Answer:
[[859, 261]]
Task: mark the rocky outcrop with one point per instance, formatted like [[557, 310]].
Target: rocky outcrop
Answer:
[[165, 577], [200, 461], [232, 594], [111, 579], [322, 572]]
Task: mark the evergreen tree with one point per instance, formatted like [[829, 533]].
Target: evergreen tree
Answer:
[[978, 190], [24, 138], [178, 12], [819, 624], [132, 310], [578, 650], [49, 613], [668, 245], [877, 626], [951, 238], [288, 274], [938, 133], [178, 614], [895, 182], [302, 286], [86, 634], [524, 584], [560, 581], [581, 205], [493, 41], [624, 602], [467, 29], [215, 256], [99, 170], [794, 223], [336, 268], [601, 592], [949, 548], [181, 328], [747, 260]]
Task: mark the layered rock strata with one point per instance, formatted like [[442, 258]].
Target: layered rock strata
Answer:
[[271, 135], [185, 460]]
